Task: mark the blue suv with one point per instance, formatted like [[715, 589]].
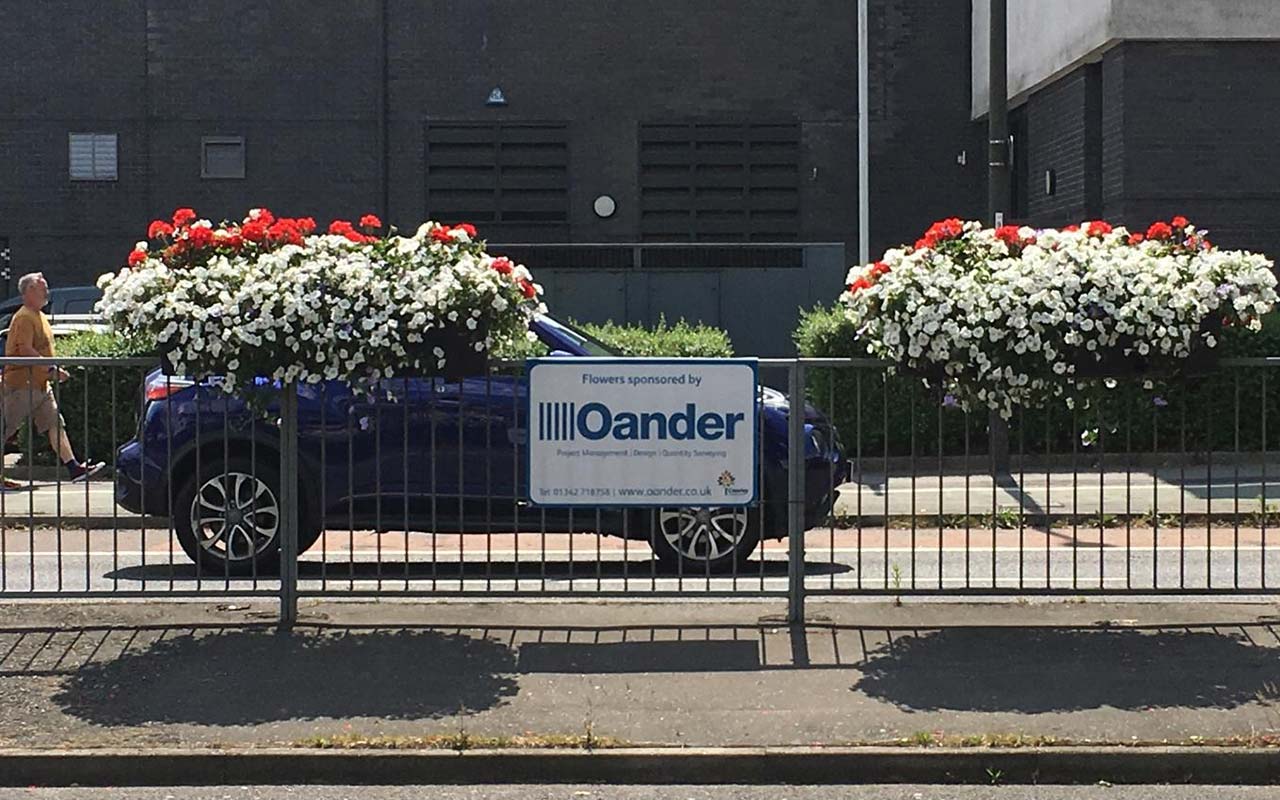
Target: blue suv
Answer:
[[439, 455]]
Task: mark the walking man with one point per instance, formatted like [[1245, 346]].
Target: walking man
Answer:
[[27, 393]]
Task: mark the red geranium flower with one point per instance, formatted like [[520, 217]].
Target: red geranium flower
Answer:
[[941, 231], [1180, 222], [255, 231], [1071, 229], [1136, 238], [307, 225], [1009, 235], [468, 227], [200, 237], [1159, 231], [860, 284], [264, 216], [879, 268], [228, 238], [136, 257], [370, 221], [285, 230], [1097, 228], [441, 234], [183, 216], [159, 228], [527, 289], [503, 265]]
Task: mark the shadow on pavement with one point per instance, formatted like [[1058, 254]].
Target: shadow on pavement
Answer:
[[238, 674], [1044, 670], [393, 570], [242, 677]]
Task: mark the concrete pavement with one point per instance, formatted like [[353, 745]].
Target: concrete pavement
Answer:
[[189, 675]]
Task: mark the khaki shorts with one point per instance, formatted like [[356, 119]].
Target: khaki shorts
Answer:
[[26, 403]]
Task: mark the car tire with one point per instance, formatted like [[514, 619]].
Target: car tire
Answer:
[[227, 518], [700, 540]]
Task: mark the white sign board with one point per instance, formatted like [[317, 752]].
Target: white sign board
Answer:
[[642, 432]]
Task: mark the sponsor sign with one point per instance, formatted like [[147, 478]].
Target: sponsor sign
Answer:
[[643, 432]]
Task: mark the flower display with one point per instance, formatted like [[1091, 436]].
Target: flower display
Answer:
[[1016, 316], [273, 298]]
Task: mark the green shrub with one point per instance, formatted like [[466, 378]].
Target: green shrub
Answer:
[[681, 340], [91, 388], [874, 410]]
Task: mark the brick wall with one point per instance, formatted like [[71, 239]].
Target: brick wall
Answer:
[[1200, 138], [302, 82]]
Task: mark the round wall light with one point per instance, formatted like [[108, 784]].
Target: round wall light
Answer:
[[605, 206]]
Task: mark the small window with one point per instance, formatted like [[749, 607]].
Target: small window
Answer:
[[92, 156], [222, 157]]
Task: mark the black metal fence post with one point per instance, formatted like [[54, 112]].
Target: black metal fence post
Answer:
[[289, 510], [795, 495]]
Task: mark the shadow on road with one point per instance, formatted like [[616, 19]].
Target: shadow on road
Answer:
[[243, 677], [1034, 671], [394, 569]]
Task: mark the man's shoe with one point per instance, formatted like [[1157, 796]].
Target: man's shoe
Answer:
[[10, 485], [85, 470], [11, 446]]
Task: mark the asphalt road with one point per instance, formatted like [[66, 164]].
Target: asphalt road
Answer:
[[888, 561], [1192, 490], [947, 533], [551, 792]]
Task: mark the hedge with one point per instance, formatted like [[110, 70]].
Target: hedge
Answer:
[[1195, 414], [98, 443], [680, 339]]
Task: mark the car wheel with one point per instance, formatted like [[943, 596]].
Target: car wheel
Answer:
[[228, 518], [698, 540]]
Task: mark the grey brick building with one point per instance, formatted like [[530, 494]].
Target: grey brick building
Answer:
[[700, 120], [716, 120], [1136, 110]]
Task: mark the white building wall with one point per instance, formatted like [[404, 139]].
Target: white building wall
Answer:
[[1048, 38]]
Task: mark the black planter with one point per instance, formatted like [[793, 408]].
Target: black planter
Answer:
[[461, 359], [1114, 363]]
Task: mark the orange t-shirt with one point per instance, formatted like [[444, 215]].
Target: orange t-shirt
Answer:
[[30, 328]]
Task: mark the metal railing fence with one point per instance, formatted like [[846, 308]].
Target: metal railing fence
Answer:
[[417, 490]]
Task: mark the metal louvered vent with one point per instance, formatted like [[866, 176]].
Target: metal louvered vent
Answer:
[[511, 180], [92, 156], [720, 182]]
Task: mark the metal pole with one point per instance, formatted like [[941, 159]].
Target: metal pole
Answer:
[[795, 496], [998, 181], [289, 511], [864, 139], [998, 116]]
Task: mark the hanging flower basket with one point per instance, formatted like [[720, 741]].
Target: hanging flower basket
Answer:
[[1016, 316], [271, 298]]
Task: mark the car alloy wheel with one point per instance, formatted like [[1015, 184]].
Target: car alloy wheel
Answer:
[[703, 534], [235, 516]]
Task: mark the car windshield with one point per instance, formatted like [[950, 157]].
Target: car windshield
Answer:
[[589, 344]]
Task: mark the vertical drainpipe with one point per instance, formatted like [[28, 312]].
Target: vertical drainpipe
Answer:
[[385, 119], [864, 144]]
